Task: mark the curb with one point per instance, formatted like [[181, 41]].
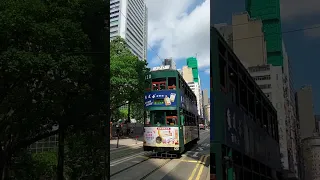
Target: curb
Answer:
[[208, 174]]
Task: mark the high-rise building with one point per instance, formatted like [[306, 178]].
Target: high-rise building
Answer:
[[129, 19], [304, 100], [252, 51], [170, 62], [317, 118], [269, 13], [187, 74], [192, 63], [206, 105]]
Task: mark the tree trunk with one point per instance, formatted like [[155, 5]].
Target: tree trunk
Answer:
[[61, 137], [4, 162], [129, 109]]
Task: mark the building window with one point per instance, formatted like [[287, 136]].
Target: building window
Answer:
[[260, 78], [259, 68], [265, 86]]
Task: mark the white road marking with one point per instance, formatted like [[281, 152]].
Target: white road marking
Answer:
[[195, 154], [116, 162], [199, 149]]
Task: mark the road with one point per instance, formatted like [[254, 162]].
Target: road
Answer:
[[134, 164]]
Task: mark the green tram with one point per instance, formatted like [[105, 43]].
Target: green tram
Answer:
[[244, 137], [171, 120]]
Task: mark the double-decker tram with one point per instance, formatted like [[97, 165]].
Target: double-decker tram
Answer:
[[171, 118]]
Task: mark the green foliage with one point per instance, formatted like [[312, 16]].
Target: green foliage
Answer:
[[46, 76], [127, 75], [123, 113], [32, 166], [84, 154]]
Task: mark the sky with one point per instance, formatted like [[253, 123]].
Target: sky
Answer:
[[302, 46], [179, 29]]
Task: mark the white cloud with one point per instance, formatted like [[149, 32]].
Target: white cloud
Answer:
[[177, 33], [291, 9], [207, 71]]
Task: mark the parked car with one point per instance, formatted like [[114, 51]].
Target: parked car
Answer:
[[201, 126]]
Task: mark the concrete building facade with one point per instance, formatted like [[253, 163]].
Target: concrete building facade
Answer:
[[248, 39], [187, 74], [170, 62], [311, 156], [206, 105], [304, 100], [129, 19]]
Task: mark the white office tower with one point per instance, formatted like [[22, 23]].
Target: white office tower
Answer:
[[129, 19], [195, 87], [197, 91], [292, 122], [170, 62]]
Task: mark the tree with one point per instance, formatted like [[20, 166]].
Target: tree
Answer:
[[29, 166], [123, 113], [46, 77], [127, 75]]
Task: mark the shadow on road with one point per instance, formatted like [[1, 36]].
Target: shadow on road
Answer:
[[129, 161]]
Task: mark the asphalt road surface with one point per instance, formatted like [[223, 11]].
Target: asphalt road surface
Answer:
[[133, 163]]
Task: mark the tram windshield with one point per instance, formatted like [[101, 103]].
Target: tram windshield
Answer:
[[160, 117]]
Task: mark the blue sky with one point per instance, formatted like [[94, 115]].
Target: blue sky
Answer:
[[302, 46], [180, 29]]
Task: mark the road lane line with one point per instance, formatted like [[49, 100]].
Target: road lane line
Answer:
[[201, 168], [195, 169], [116, 162]]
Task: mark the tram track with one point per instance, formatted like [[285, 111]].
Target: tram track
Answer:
[[157, 168], [149, 159]]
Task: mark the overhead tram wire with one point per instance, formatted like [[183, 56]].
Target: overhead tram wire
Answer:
[[147, 42], [161, 59], [283, 32]]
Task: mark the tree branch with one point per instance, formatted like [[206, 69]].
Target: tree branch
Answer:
[[28, 142]]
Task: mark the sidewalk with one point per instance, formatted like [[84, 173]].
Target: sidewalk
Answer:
[[125, 142], [208, 174]]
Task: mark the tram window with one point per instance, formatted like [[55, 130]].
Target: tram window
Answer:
[[251, 104], [243, 95], [172, 84], [157, 117], [247, 175], [256, 176], [246, 162], [171, 117], [265, 119], [258, 111], [159, 84], [223, 71], [222, 48], [171, 120], [233, 92]]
